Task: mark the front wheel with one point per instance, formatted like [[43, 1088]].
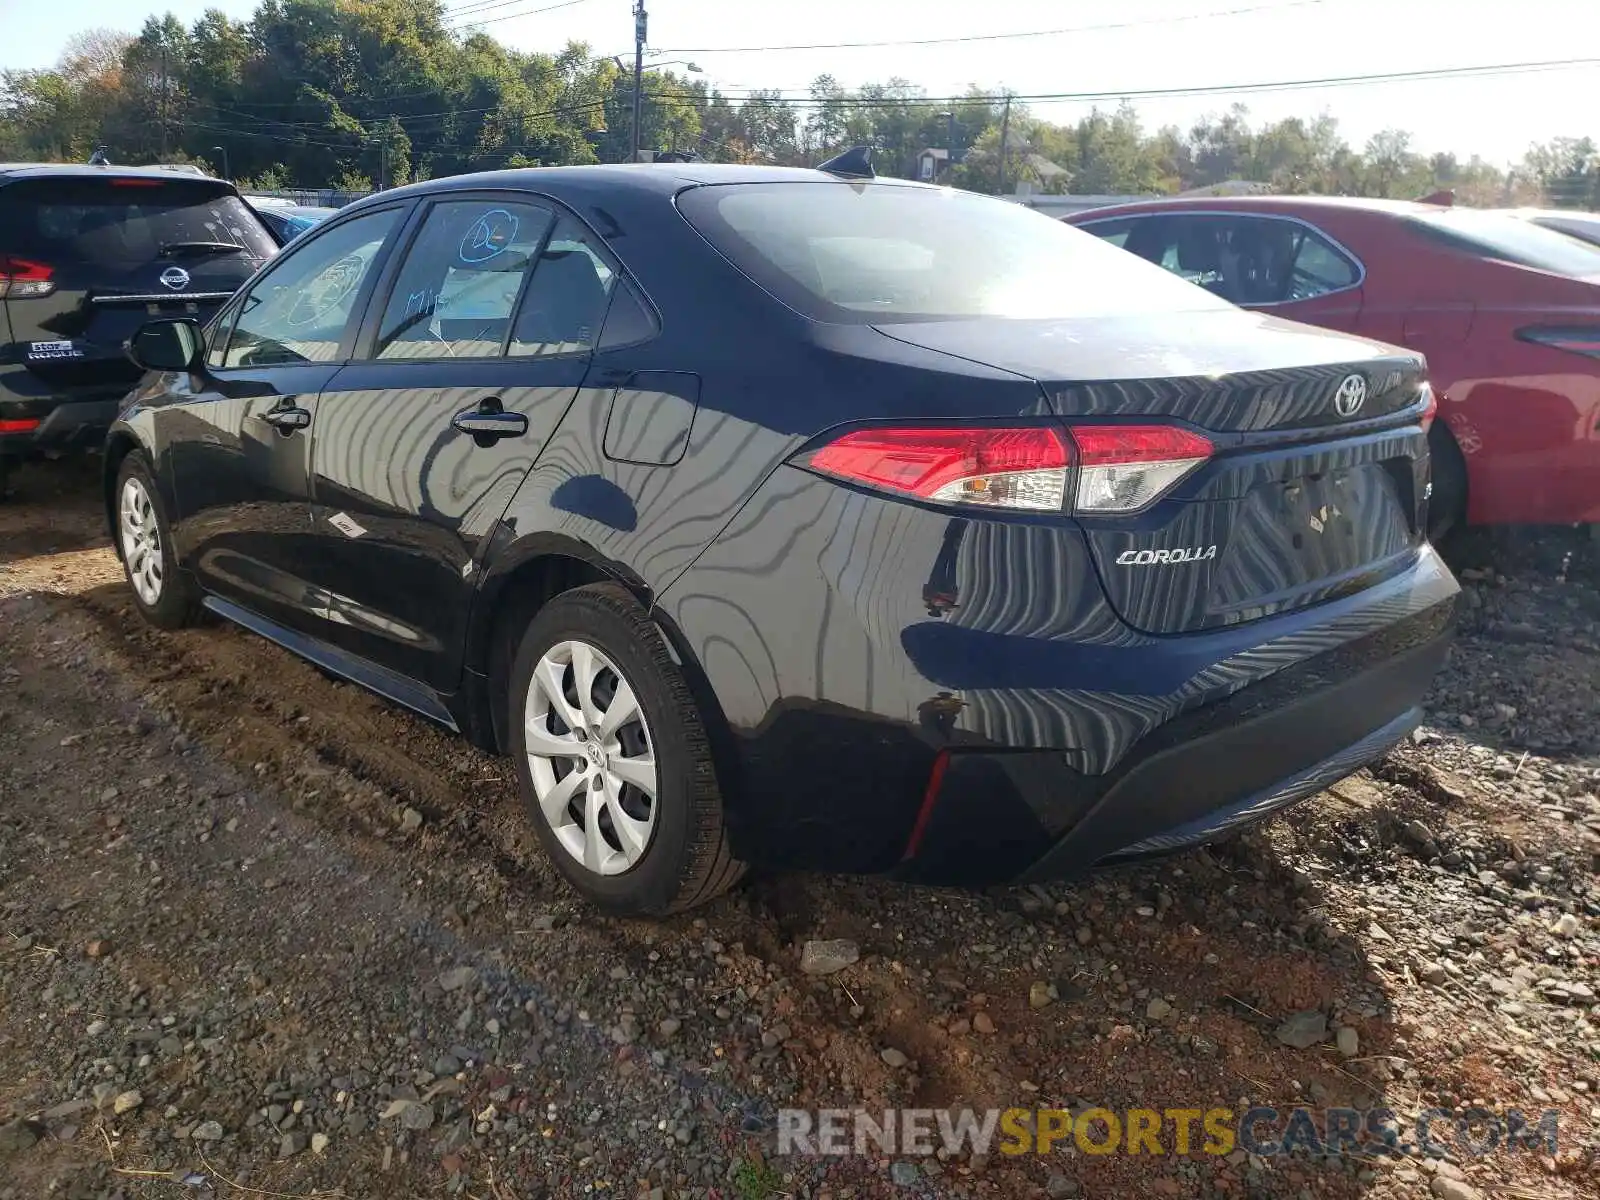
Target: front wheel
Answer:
[[613, 760], [163, 595]]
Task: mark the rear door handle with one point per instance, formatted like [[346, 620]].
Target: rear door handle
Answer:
[[287, 419], [488, 423]]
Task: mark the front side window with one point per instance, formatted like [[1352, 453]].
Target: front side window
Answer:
[[1243, 259], [882, 252], [300, 310], [461, 278]]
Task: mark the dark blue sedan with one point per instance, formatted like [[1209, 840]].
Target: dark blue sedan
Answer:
[[800, 518]]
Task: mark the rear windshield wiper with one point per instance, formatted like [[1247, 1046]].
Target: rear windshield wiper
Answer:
[[174, 249]]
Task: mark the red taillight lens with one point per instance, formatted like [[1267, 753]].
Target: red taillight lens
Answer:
[[1578, 339], [22, 277], [141, 183], [1124, 468], [1431, 408], [18, 424], [996, 467], [1119, 468]]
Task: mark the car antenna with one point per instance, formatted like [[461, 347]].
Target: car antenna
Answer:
[[100, 158], [854, 163]]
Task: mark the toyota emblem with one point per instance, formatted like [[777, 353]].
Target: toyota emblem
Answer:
[[1352, 394], [175, 278]]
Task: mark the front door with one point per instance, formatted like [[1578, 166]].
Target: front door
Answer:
[[464, 371], [240, 449]]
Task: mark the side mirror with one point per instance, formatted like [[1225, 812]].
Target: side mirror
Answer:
[[171, 344]]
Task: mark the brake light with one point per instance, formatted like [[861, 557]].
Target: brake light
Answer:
[[21, 278], [1578, 339], [1431, 408], [1119, 468], [146, 183], [996, 467], [18, 424], [1124, 468]]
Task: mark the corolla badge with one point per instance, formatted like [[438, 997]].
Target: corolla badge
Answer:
[[175, 278], [1352, 394], [1148, 558]]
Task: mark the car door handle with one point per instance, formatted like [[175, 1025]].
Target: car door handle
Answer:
[[287, 418], [489, 422]]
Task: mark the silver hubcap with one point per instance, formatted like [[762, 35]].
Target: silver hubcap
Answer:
[[591, 757], [141, 541]]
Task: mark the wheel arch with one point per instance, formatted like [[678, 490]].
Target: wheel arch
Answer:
[[519, 585], [120, 443]]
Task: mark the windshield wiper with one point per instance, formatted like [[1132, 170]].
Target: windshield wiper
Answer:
[[174, 249]]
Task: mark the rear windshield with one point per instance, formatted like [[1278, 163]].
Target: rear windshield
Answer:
[[122, 221], [1496, 235], [876, 253]]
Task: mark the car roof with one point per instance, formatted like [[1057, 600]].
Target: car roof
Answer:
[[1278, 203], [22, 170], [645, 178]]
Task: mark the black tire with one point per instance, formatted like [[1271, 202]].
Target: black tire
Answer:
[[176, 604], [687, 860], [5, 481], [1447, 507]]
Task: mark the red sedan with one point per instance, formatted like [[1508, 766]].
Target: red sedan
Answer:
[[1507, 313]]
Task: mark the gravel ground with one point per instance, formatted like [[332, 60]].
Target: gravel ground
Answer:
[[263, 935]]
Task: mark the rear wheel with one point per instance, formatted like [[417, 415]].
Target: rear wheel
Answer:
[[1447, 507], [163, 595], [613, 759]]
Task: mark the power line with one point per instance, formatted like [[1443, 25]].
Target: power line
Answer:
[[471, 21], [997, 37]]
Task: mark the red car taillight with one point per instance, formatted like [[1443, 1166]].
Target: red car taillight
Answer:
[[19, 424], [1579, 339], [21, 278], [1118, 468]]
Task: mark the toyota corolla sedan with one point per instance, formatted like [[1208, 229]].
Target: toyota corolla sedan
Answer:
[[799, 518]]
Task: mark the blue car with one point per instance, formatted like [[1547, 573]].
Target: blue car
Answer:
[[289, 221], [799, 518]]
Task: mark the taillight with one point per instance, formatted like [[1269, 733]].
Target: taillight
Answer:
[[1431, 408], [995, 467], [1579, 339], [1123, 468], [19, 424], [1118, 468], [21, 278]]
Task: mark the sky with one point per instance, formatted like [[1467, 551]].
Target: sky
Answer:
[[1152, 44]]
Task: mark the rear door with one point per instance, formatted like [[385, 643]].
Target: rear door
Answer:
[[1272, 263], [469, 359], [115, 251], [238, 436]]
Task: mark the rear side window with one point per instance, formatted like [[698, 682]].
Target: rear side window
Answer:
[[459, 285], [566, 300], [1494, 235], [876, 253], [124, 221]]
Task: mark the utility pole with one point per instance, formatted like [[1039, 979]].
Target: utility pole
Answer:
[[640, 20], [1005, 140], [163, 94]]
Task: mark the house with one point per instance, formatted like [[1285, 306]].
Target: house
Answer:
[[932, 163]]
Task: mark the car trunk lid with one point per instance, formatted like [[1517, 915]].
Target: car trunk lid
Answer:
[[1315, 486]]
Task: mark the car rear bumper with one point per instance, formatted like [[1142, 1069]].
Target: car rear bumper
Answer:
[[953, 700], [69, 418], [1028, 816]]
